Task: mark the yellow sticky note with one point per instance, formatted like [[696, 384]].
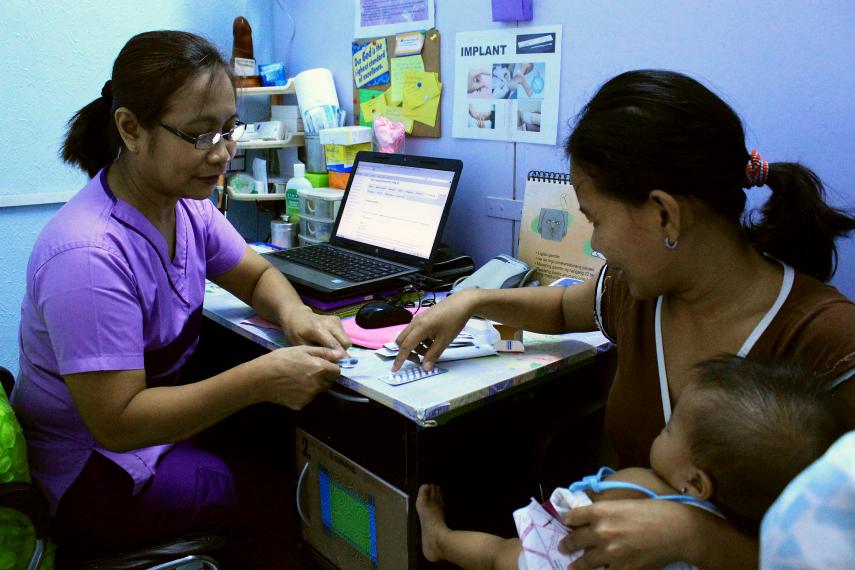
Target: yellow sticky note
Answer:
[[400, 66], [426, 111], [397, 114], [370, 61], [389, 102], [419, 87], [373, 107]]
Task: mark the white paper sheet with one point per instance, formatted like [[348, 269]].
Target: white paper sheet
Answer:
[[378, 18]]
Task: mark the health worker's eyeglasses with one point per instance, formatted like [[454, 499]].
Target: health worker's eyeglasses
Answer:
[[207, 141]]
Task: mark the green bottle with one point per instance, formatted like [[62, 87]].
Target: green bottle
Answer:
[[292, 199]]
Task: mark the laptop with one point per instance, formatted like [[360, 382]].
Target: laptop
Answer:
[[389, 225]]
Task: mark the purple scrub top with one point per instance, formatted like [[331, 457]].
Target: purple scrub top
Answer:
[[102, 294]]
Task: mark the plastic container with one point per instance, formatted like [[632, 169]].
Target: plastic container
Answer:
[[320, 203], [306, 240], [292, 198], [316, 228], [318, 179], [242, 183], [315, 157], [338, 179]]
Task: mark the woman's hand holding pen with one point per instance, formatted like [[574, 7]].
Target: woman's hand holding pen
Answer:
[[431, 331], [293, 376]]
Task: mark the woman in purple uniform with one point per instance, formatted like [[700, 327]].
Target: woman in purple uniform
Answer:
[[113, 309]]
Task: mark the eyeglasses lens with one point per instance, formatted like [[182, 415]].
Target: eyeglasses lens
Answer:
[[209, 140]]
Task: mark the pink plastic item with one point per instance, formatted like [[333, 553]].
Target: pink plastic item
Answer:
[[390, 135], [372, 338]]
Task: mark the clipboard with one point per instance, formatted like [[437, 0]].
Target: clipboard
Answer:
[[430, 57]]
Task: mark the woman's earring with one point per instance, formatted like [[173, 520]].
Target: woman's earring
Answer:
[[670, 244], [683, 490]]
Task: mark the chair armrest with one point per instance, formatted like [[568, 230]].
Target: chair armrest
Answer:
[[29, 500], [195, 544]]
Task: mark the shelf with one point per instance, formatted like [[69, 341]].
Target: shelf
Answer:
[[287, 89], [253, 197], [296, 139]]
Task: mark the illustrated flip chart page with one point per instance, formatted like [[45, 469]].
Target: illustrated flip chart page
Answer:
[[506, 84]]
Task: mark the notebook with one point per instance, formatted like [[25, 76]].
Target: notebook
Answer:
[[389, 225], [555, 237]]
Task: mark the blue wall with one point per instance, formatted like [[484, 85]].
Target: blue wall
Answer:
[[786, 67], [55, 57]]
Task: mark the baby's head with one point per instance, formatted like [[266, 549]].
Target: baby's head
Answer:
[[742, 431]]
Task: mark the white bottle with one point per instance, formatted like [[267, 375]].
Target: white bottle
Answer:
[[292, 199]]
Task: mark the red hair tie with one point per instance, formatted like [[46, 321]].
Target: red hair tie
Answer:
[[756, 171]]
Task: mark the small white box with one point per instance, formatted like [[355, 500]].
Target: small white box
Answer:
[[271, 130], [345, 135]]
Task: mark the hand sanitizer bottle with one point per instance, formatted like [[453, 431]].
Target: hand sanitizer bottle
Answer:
[[292, 199]]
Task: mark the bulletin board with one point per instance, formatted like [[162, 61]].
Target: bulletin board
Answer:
[[430, 59]]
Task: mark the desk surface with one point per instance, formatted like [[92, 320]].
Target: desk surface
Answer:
[[434, 399]]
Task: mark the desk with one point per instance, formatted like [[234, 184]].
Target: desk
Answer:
[[485, 430]]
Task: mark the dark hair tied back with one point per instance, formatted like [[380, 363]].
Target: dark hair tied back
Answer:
[[651, 129], [107, 90], [149, 69]]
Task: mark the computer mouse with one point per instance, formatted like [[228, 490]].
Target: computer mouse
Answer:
[[379, 314]]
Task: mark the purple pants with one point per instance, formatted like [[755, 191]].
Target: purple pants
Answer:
[[194, 490]]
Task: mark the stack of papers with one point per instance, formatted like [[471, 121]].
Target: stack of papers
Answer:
[[465, 345]]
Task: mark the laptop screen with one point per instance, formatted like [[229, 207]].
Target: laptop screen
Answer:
[[394, 207]]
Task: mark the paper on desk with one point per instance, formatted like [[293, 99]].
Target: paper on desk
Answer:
[[474, 341], [540, 531]]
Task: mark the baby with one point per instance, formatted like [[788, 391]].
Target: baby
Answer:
[[737, 436]]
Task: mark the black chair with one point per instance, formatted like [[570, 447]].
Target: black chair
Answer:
[[29, 500]]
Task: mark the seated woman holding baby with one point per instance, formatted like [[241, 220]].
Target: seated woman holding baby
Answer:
[[660, 168]]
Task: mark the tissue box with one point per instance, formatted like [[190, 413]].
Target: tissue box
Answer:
[[345, 135]]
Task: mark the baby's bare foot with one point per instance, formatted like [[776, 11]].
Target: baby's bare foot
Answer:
[[431, 512]]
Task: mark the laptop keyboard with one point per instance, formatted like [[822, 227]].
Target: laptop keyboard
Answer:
[[339, 263]]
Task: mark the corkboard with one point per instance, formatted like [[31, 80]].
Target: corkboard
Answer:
[[430, 57]]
